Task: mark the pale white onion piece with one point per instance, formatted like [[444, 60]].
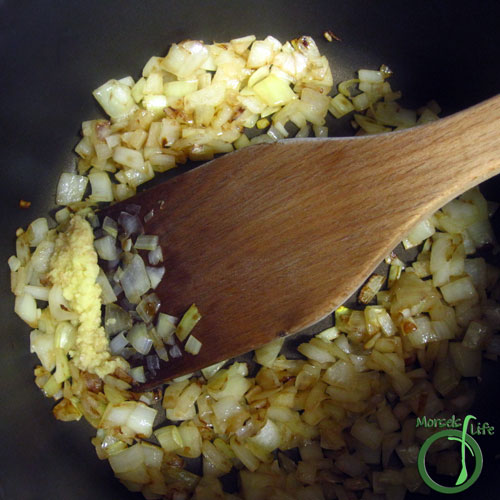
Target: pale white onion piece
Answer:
[[141, 419], [155, 256], [116, 319], [138, 375], [14, 263], [71, 188], [58, 306], [106, 248], [192, 345], [115, 98], [42, 344], [37, 231], [155, 275], [135, 280], [117, 344], [40, 260], [101, 186], [38, 292], [139, 339], [107, 294], [146, 242]]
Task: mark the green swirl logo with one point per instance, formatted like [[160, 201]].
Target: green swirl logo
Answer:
[[468, 445]]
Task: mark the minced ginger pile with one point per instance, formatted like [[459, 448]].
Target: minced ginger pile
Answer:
[[74, 268]]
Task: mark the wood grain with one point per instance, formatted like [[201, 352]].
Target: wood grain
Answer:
[[272, 238]]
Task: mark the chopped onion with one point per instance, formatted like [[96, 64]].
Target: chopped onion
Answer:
[[193, 345], [116, 319], [187, 322], [148, 307], [135, 280], [155, 275], [14, 263], [37, 231], [101, 186], [146, 242], [117, 343], [107, 294], [149, 216], [130, 223], [40, 260], [110, 226], [175, 351], [165, 326], [115, 98], [158, 345], [137, 374], [71, 188], [141, 419], [139, 339], [106, 248], [58, 306], [155, 256], [37, 292]]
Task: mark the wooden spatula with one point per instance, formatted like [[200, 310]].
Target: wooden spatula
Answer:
[[270, 239]]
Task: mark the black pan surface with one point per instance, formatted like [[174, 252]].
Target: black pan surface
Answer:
[[54, 53]]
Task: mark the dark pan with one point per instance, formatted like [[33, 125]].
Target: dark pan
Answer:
[[54, 53]]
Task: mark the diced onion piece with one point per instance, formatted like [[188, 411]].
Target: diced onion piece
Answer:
[[193, 345], [71, 188], [211, 370], [185, 58], [467, 361], [158, 345], [40, 260], [187, 322], [128, 157], [138, 374], [110, 226], [106, 248], [165, 326], [155, 275], [102, 189], [42, 344], [274, 91], [419, 233], [155, 256], [169, 438], [146, 242], [107, 294], [459, 290], [268, 438], [117, 344], [58, 306], [141, 420], [116, 319], [371, 288], [175, 351], [115, 98], [37, 292], [371, 76], [14, 263], [148, 307], [139, 339], [267, 354], [135, 280], [329, 334], [130, 223], [37, 231], [369, 434]]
